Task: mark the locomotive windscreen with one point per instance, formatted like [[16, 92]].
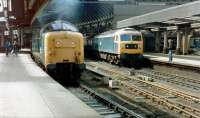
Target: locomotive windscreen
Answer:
[[59, 26], [130, 37]]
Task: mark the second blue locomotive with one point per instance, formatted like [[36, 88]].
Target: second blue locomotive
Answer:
[[122, 46]]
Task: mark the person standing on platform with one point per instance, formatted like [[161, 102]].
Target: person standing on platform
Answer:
[[170, 54], [15, 47], [7, 46]]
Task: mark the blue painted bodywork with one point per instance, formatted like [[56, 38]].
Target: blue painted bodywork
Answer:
[[42, 48], [38, 47], [105, 44]]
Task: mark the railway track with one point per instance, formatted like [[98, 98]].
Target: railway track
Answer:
[[104, 106], [170, 78], [185, 67], [180, 102]]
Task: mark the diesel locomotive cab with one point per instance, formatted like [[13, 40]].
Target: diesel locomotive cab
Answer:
[[61, 50], [131, 48]]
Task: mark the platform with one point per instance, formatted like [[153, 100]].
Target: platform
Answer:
[[26, 91], [184, 60]]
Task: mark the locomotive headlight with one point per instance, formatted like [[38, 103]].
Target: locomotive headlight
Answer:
[[58, 43], [50, 53]]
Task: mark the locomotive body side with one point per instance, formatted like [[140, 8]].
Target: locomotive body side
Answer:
[[105, 45]]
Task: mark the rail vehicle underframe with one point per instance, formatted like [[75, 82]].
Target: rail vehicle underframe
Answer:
[[66, 72], [131, 60], [69, 71]]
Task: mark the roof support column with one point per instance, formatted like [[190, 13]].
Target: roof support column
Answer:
[[2, 41], [185, 41], [191, 33], [165, 43], [20, 38], [11, 34], [157, 42], [178, 42]]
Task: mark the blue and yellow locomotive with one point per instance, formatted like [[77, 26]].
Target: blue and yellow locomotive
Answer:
[[122, 46], [58, 48]]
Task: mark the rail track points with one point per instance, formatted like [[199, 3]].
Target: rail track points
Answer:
[[179, 101]]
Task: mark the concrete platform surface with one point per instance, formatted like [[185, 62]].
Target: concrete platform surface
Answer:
[[26, 91], [187, 60]]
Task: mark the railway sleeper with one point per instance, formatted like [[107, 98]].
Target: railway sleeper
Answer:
[[141, 92], [181, 95], [164, 101], [181, 111]]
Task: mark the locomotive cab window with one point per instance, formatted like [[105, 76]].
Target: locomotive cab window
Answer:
[[126, 37], [136, 38], [130, 37], [59, 26]]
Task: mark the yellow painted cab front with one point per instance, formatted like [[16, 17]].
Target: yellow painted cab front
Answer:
[[64, 47], [131, 44]]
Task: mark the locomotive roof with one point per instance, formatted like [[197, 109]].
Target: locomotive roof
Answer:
[[111, 33], [59, 25]]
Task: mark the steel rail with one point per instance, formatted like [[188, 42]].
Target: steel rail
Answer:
[[109, 108], [116, 106], [186, 67], [182, 108], [115, 73], [171, 79]]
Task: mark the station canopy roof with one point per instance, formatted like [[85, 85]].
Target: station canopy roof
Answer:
[[74, 11], [182, 15]]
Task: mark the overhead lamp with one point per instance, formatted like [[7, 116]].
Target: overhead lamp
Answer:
[[194, 25], [172, 28], [155, 29], [12, 17]]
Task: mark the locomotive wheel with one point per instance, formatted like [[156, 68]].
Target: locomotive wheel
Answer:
[[108, 58], [117, 61], [112, 60]]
